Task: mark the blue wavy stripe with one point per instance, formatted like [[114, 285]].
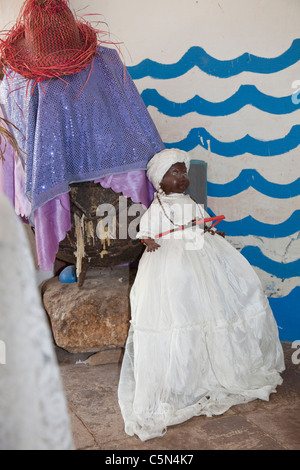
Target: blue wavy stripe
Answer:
[[251, 178], [246, 95], [245, 145], [250, 226], [286, 313], [282, 270], [196, 56]]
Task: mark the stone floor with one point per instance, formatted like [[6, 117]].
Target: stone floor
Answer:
[[97, 424]]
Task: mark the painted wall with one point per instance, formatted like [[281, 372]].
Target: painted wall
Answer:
[[221, 79]]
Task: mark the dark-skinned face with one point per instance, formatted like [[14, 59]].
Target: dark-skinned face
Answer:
[[176, 179]]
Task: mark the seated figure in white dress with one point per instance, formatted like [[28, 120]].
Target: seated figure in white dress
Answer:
[[202, 337]]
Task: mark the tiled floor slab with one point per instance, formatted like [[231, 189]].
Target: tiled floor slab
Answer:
[[97, 423]]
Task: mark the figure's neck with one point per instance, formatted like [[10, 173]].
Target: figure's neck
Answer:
[[175, 194]]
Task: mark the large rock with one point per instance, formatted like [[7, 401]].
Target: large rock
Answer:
[[94, 317]]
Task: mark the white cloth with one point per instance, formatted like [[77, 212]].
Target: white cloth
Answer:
[[202, 337], [162, 161], [33, 408]]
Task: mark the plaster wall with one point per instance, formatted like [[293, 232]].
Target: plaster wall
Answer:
[[221, 79]]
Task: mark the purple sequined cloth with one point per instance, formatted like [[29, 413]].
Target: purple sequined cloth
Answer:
[[74, 130], [79, 128], [51, 221]]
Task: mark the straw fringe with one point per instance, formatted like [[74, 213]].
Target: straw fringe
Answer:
[[7, 137]]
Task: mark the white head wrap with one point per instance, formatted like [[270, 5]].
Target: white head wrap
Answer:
[[162, 162]]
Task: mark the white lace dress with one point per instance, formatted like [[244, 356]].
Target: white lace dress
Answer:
[[33, 408], [202, 337]]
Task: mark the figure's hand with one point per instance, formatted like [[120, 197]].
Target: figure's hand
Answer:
[[222, 234], [207, 229], [150, 244]]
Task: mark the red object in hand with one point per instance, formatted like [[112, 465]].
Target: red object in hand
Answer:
[[217, 219]]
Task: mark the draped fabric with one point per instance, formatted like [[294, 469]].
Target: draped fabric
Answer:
[[79, 127], [90, 126], [33, 407]]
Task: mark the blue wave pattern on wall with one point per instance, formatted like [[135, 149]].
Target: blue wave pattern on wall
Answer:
[[247, 144], [250, 226], [246, 95], [282, 270], [251, 178], [285, 310], [197, 57]]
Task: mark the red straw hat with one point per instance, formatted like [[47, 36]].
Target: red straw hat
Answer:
[[47, 41]]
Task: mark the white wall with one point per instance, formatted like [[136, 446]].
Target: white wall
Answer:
[[164, 31]]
